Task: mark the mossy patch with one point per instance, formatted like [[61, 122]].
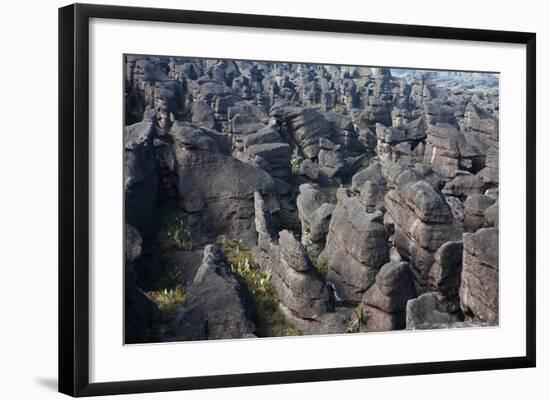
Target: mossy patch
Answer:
[[322, 267]]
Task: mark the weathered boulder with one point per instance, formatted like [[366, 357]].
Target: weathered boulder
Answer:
[[148, 85], [315, 211], [394, 286], [445, 273], [271, 157], [463, 185], [447, 150], [355, 248], [202, 113], [384, 302], [303, 126], [219, 299], [377, 112], [372, 186], [457, 208], [426, 312], [344, 133], [490, 172], [298, 286], [474, 211], [479, 288], [423, 222]]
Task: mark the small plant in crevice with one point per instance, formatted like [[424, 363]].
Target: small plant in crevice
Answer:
[[339, 108], [168, 300], [322, 267], [294, 166], [359, 322], [270, 320], [176, 236]]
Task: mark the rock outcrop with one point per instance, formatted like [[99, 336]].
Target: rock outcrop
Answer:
[[423, 222], [479, 287], [315, 212], [215, 189], [299, 287], [356, 247], [215, 285], [426, 312], [385, 301]]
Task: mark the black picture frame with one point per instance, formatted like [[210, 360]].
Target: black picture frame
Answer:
[[74, 198]]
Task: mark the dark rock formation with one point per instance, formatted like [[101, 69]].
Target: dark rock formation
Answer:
[[355, 248], [303, 127], [423, 222], [214, 285], [385, 301], [352, 187], [298, 285], [445, 273], [371, 185], [216, 189], [140, 175], [474, 211]]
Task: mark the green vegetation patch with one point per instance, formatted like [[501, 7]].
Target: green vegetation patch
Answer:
[[322, 267], [294, 166], [174, 233], [168, 300], [270, 321]]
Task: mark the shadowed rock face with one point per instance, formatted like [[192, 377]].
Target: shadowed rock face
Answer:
[[366, 197], [215, 286], [216, 189], [139, 310], [140, 175]]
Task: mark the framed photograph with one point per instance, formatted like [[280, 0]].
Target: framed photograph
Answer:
[[251, 199]]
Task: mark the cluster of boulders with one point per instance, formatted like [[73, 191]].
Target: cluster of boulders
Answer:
[[368, 196]]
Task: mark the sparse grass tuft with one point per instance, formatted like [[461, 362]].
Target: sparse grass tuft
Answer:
[[270, 321], [175, 235], [168, 300], [359, 322], [294, 166]]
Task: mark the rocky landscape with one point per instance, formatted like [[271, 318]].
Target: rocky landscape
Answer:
[[266, 199]]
